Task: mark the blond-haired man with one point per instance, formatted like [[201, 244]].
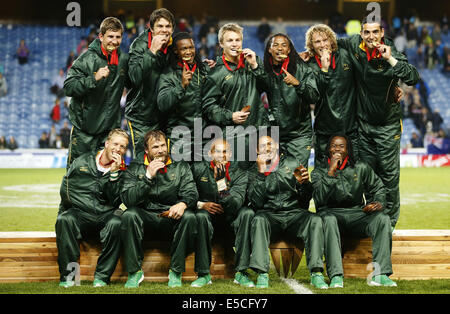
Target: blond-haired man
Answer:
[[231, 86], [90, 199]]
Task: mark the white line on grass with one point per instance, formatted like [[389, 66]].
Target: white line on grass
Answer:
[[298, 288]]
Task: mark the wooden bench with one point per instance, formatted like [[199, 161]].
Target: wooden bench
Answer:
[[32, 256], [416, 254], [290, 255]]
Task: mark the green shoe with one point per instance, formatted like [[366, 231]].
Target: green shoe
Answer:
[[135, 279], [337, 282], [99, 283], [174, 279], [262, 281], [202, 281], [241, 278], [318, 281], [66, 284], [382, 280]]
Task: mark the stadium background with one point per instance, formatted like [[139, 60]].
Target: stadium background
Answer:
[[29, 198], [25, 110]]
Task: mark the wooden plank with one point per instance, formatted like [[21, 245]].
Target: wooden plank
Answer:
[[27, 264], [287, 256], [30, 279], [30, 258], [40, 271], [422, 269], [423, 234], [275, 253], [27, 234], [421, 243]]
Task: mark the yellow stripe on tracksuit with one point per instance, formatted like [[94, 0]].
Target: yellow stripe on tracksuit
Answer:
[[132, 136]]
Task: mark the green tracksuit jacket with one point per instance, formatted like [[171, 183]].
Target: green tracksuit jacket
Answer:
[[144, 71], [145, 199], [279, 191], [227, 91], [90, 201], [235, 214], [182, 106], [335, 112], [340, 201], [95, 105], [290, 108], [376, 80]]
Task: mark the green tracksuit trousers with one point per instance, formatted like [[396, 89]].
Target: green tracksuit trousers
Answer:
[[241, 227], [73, 225], [137, 132], [81, 142], [299, 147], [380, 148], [182, 234], [354, 222], [297, 224]]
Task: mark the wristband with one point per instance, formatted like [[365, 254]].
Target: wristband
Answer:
[[392, 61], [200, 205]]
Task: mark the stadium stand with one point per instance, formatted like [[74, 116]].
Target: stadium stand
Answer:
[[24, 111]]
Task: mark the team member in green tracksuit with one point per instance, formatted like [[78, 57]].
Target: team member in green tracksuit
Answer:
[[222, 187], [339, 192], [160, 196], [179, 98], [148, 58], [378, 68], [95, 82], [291, 88], [230, 87], [280, 201], [335, 112], [90, 198]]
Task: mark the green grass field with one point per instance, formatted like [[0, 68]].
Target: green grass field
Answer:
[[29, 201]]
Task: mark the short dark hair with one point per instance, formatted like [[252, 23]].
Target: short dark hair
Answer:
[[111, 24], [153, 134], [173, 58], [365, 21], [161, 13]]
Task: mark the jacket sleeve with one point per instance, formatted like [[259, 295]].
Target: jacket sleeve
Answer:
[[141, 61], [349, 43], [307, 90], [134, 189], [80, 78], [213, 111], [187, 192], [170, 91], [262, 77], [256, 189], [404, 70], [374, 186], [235, 200], [323, 186]]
